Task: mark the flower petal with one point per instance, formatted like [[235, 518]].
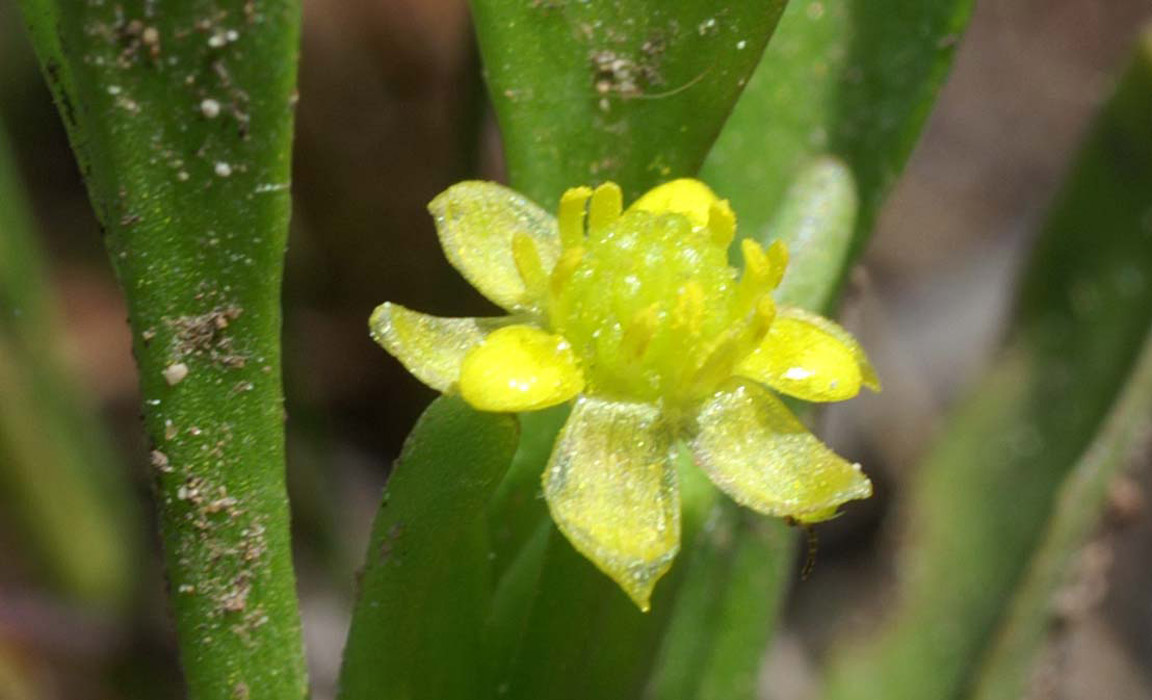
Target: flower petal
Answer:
[[520, 368], [477, 223], [811, 358], [756, 451], [429, 347], [612, 490], [686, 196]]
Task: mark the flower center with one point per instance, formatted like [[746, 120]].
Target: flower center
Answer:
[[651, 306]]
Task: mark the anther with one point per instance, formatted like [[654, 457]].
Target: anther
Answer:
[[607, 203], [757, 272], [639, 332], [689, 314], [527, 258], [777, 263], [565, 266], [570, 217]]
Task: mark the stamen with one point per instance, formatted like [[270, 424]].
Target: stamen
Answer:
[[761, 321], [639, 332], [565, 266], [777, 263], [735, 345], [607, 203], [570, 217], [689, 314], [757, 273], [721, 223], [717, 366], [527, 258]]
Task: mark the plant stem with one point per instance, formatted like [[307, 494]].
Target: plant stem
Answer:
[[180, 113]]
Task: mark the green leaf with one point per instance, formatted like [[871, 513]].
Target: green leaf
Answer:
[[426, 586], [1083, 496], [851, 78], [982, 500], [726, 610], [1024, 634], [180, 113], [633, 91], [816, 220], [517, 508], [58, 474]]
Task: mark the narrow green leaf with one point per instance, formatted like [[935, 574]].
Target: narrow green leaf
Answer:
[[1083, 496], [981, 501], [517, 508], [1081, 503], [851, 78], [416, 630], [633, 91], [816, 220], [726, 610], [180, 113], [57, 470]]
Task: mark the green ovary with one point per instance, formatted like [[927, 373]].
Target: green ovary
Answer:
[[651, 297]]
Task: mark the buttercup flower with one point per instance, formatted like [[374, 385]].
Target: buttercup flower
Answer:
[[636, 316]]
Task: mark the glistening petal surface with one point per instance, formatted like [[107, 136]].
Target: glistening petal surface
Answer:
[[520, 368], [430, 347], [611, 487], [868, 376], [477, 223], [757, 452], [802, 359]]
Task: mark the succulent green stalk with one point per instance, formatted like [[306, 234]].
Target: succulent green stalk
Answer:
[[180, 114]]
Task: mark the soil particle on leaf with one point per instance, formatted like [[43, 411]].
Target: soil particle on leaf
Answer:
[[175, 373], [236, 599], [210, 108], [160, 462], [204, 336], [623, 73]]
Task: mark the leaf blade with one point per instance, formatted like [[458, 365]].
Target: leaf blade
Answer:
[[424, 592]]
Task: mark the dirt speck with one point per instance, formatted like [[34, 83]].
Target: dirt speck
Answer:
[[160, 462], [210, 108], [390, 541], [236, 599], [204, 336], [175, 373], [618, 72]]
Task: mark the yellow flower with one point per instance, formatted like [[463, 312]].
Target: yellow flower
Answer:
[[637, 317]]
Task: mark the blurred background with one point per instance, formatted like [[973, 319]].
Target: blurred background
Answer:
[[392, 111]]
